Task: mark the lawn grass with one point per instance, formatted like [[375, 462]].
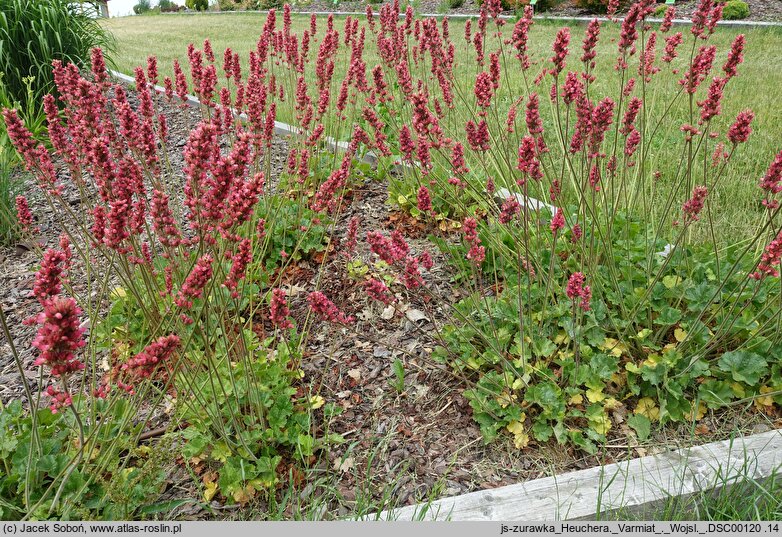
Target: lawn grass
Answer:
[[735, 203]]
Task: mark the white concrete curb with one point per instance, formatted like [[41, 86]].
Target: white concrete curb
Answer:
[[640, 485]]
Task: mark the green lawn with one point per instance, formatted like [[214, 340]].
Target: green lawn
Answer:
[[735, 203]]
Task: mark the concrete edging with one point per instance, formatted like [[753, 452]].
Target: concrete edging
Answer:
[[639, 486]]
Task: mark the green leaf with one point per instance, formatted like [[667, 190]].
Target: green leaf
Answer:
[[549, 397], [744, 366], [604, 366], [641, 425], [668, 316]]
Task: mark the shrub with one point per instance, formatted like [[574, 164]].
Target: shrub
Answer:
[[735, 10], [660, 10], [197, 5], [35, 32], [597, 6], [142, 7], [269, 4]]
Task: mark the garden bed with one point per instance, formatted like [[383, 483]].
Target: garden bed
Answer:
[[403, 447], [482, 344]]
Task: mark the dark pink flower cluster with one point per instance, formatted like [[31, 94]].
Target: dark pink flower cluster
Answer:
[[326, 309], [520, 36], [560, 49], [510, 209], [23, 214], [735, 56], [143, 364], [771, 182], [590, 43], [36, 157], [705, 18], [196, 281], [240, 260], [377, 290], [579, 293], [667, 23], [740, 130], [48, 278], [771, 258], [59, 399], [629, 32], [699, 69], [389, 250], [557, 222], [693, 206], [424, 200], [477, 252], [484, 90], [672, 42], [59, 336], [711, 106], [163, 220], [278, 311], [478, 135]]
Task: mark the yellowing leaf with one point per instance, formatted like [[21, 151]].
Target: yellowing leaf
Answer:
[[764, 400], [738, 390], [520, 437], [601, 424], [561, 337], [317, 401], [701, 411], [619, 380], [506, 398], [651, 361], [220, 451], [402, 200], [595, 396], [613, 347], [671, 281], [643, 334], [647, 407], [576, 399], [518, 384], [611, 404], [118, 292], [244, 494], [210, 489], [680, 335]]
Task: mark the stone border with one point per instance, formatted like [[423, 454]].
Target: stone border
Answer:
[[640, 486], [582, 19]]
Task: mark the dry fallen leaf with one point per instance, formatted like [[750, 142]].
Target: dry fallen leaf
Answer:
[[344, 465]]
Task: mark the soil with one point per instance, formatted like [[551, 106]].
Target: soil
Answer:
[[759, 10], [412, 444]]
